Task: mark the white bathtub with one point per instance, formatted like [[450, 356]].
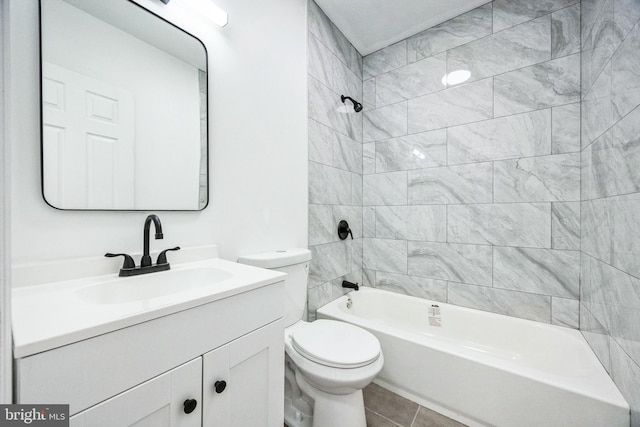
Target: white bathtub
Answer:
[[482, 368]]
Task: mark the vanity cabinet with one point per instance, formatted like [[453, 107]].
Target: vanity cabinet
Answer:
[[142, 374], [236, 385], [243, 381], [160, 402]]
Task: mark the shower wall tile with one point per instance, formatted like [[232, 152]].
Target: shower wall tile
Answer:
[[460, 30], [565, 225], [387, 59], [369, 94], [501, 301], [625, 252], [369, 221], [596, 228], [590, 9], [520, 135], [520, 46], [565, 31], [369, 158], [411, 223], [416, 79], [331, 260], [625, 84], [610, 163], [347, 154], [625, 15], [462, 104], [565, 129], [597, 108], [321, 141], [331, 148], [323, 221], [510, 224], [565, 312], [625, 327], [602, 41], [385, 189], [368, 278], [385, 255], [596, 336], [386, 122], [323, 103], [420, 150], [538, 179], [320, 26], [328, 185], [551, 83], [320, 63], [507, 13], [345, 82], [420, 287], [452, 262], [471, 183], [357, 195], [335, 160], [451, 171], [320, 224], [539, 271], [625, 372]]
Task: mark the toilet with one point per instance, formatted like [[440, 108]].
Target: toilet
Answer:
[[327, 363]]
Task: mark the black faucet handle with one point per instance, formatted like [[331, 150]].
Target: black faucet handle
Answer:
[[162, 258], [128, 260]]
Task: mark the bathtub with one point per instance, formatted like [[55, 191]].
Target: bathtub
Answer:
[[482, 368]]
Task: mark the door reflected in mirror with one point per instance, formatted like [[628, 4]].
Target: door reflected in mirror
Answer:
[[124, 109]]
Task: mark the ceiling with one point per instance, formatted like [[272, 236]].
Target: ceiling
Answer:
[[373, 24]]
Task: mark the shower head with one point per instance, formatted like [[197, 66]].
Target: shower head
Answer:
[[356, 105]]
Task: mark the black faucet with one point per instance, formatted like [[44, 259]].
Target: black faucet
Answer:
[[350, 285], [146, 265], [146, 258]]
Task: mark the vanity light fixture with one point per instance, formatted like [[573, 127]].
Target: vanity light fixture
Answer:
[[456, 77], [207, 9]]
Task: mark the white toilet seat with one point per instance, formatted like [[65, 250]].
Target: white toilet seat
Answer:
[[334, 380], [336, 344]]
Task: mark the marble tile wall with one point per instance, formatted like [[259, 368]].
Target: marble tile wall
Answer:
[[610, 201], [471, 192], [335, 160]]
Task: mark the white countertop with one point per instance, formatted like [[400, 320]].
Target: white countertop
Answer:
[[51, 315]]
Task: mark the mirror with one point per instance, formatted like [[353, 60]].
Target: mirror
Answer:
[[124, 109]]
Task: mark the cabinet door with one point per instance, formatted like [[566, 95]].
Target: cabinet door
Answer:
[[158, 402], [252, 368]]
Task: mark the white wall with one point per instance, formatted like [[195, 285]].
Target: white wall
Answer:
[[5, 221], [258, 153]]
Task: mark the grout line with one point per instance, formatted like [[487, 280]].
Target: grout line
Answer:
[[415, 416]]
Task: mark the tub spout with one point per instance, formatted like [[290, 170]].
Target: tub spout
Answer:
[[350, 285]]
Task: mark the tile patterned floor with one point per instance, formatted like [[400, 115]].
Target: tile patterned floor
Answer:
[[387, 409]]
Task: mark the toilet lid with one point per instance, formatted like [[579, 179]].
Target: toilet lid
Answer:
[[336, 344]]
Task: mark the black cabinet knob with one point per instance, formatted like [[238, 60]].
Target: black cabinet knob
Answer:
[[220, 386], [190, 405]]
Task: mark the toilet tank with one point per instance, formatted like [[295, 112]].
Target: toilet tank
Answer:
[[294, 262]]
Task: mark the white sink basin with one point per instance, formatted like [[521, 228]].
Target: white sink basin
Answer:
[[153, 285]]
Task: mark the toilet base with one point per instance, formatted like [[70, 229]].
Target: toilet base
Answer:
[[334, 410], [294, 417]]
